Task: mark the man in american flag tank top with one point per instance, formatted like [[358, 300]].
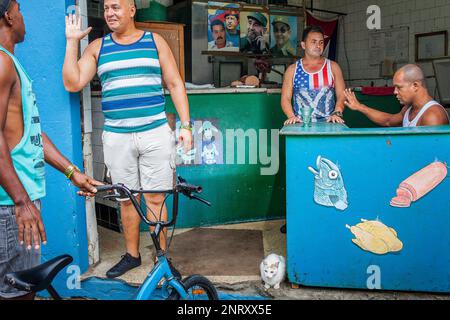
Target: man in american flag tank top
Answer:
[[313, 81]]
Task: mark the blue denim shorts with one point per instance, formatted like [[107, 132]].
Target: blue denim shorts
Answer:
[[13, 256]]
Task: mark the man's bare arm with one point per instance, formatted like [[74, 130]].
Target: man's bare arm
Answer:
[[383, 119], [78, 73], [55, 158], [8, 176], [175, 85], [380, 118], [28, 217], [172, 78], [340, 96], [339, 86], [435, 116], [286, 95]]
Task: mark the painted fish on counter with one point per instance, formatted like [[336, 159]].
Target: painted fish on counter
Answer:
[[329, 189]]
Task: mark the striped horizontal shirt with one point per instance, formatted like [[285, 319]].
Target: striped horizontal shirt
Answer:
[[132, 92]]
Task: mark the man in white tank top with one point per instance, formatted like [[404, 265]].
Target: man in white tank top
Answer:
[[419, 107]]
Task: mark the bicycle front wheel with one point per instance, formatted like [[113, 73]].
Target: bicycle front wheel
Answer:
[[198, 288]]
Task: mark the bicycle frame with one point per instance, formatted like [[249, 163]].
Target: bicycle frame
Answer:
[[158, 227], [161, 270]]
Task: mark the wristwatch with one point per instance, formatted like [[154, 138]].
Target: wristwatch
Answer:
[[186, 125], [338, 113]]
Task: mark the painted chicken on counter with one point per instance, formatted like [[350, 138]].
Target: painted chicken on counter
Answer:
[[329, 189], [375, 237]]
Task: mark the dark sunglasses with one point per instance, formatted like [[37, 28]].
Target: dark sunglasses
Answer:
[[282, 30]]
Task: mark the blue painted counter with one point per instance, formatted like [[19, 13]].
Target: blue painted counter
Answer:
[[372, 163]]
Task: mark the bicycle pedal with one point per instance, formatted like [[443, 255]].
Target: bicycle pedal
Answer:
[[161, 283]]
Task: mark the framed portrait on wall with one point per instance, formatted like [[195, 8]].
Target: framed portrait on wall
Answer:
[[430, 46], [283, 38], [223, 30], [255, 31]]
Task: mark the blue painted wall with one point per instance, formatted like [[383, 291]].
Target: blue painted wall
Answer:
[[42, 54]]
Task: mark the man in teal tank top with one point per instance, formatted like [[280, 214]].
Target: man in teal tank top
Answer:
[[138, 144], [24, 149]]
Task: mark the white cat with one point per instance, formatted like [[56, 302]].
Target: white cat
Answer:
[[273, 271]]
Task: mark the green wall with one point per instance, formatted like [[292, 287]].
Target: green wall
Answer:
[[238, 192], [156, 12], [355, 119]]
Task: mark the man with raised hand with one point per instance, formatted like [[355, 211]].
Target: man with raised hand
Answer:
[[138, 144], [420, 109]]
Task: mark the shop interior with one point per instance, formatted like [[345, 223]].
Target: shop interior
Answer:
[[230, 87]]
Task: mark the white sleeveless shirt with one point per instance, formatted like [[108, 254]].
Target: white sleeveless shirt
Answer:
[[413, 123]]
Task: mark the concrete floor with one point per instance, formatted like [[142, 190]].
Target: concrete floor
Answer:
[[112, 247]]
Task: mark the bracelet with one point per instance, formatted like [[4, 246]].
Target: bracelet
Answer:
[[186, 125], [337, 113], [70, 170]]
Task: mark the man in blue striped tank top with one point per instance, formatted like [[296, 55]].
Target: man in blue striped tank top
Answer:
[[138, 143]]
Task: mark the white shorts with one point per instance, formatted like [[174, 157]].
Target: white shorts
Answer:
[[141, 160]]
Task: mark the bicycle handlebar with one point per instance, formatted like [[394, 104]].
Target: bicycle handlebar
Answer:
[[182, 187], [189, 187]]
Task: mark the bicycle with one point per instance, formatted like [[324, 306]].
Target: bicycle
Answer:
[[195, 286]]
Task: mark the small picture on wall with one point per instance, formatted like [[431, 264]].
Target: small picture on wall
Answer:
[[223, 30], [207, 147], [255, 32], [431, 46], [283, 38]]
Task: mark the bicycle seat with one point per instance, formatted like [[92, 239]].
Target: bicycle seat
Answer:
[[38, 278]]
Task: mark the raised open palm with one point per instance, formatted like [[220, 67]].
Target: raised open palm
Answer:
[[73, 28], [351, 100]]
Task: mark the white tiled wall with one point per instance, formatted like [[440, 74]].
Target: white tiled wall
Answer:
[[97, 145], [421, 16]]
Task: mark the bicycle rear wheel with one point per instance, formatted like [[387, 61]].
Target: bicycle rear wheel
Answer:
[[198, 288]]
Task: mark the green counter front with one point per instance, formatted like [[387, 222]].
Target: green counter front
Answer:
[[245, 181]]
